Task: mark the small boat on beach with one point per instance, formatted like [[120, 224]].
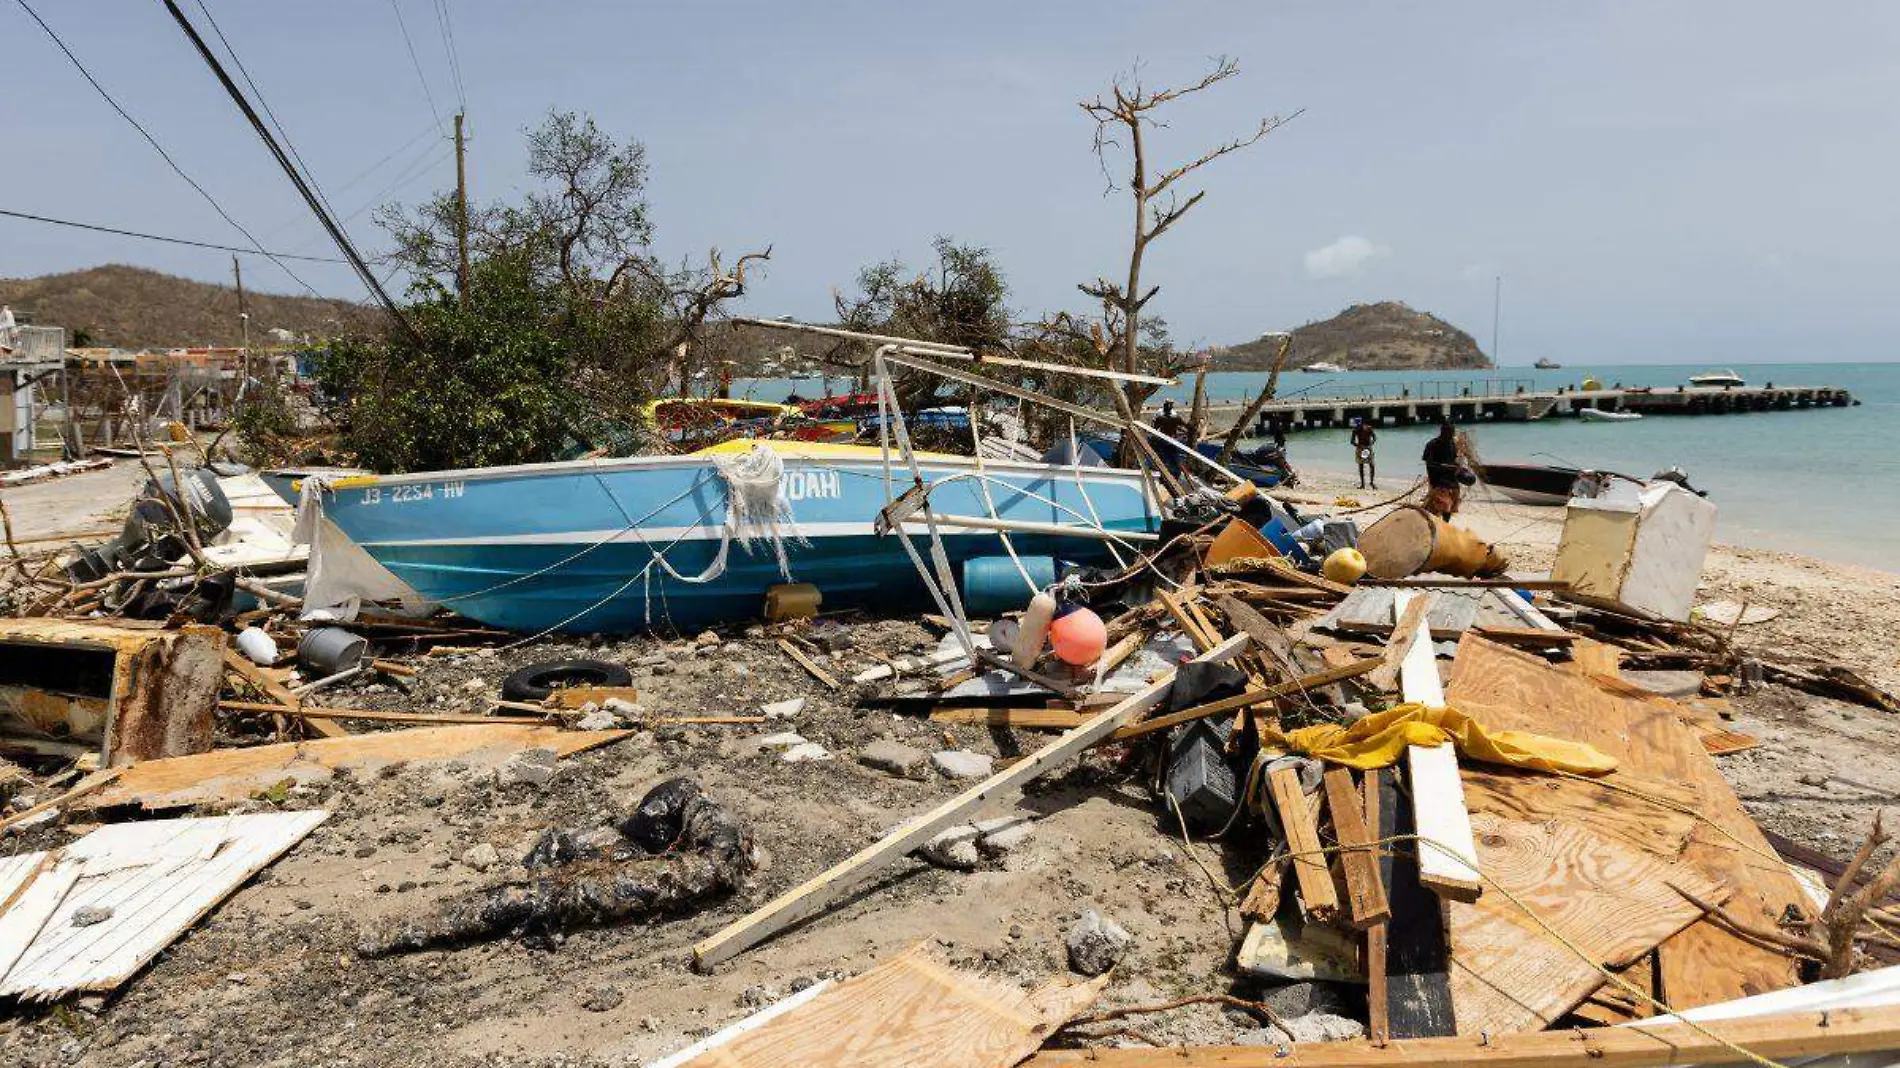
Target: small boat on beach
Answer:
[[1542, 484], [1324, 368], [618, 545], [1717, 379], [1600, 415]]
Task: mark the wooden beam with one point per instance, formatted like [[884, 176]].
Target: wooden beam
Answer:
[[1378, 1013], [1447, 855], [847, 877], [1365, 894], [1201, 641], [1780, 1037], [1302, 840]]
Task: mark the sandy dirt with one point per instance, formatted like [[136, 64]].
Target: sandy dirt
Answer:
[[272, 977]]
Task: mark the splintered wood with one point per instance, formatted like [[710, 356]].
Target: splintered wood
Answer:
[[909, 1010], [1659, 758], [1302, 841]]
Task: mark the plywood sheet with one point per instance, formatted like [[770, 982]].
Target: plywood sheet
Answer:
[[235, 774], [154, 879], [1645, 733], [909, 1010], [1511, 972]]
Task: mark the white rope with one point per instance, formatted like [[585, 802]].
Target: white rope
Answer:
[[1075, 466]]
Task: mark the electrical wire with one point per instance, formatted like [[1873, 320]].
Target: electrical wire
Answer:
[[309, 174], [417, 63], [168, 240], [303, 188], [256, 245], [448, 45]]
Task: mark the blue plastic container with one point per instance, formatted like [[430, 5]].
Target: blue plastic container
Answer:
[[992, 585]]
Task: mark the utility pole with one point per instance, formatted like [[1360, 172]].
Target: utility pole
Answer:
[[244, 327], [461, 211]]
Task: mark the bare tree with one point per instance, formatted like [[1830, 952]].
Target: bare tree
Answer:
[[1121, 121]]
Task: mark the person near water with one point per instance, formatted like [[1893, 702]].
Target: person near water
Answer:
[[1442, 468], [1175, 427], [1363, 437]]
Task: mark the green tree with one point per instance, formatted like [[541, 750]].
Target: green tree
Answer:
[[568, 324]]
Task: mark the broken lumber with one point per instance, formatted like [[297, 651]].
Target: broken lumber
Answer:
[[1365, 893], [277, 691], [1011, 717], [1378, 1012], [1447, 856], [845, 878], [1248, 699], [1782, 1036], [806, 662], [1405, 632], [906, 1010], [1302, 841]]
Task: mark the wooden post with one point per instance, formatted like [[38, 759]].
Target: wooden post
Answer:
[[1302, 840]]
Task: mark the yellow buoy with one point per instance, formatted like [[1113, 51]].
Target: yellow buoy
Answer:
[[1345, 566]]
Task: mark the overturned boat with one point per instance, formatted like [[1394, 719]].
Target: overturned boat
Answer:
[[616, 545]]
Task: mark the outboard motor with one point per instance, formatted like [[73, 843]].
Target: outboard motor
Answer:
[[151, 539]]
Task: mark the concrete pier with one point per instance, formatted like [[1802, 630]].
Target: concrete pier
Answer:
[[1386, 405]]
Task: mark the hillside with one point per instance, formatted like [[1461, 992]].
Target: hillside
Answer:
[[131, 307], [1387, 336]]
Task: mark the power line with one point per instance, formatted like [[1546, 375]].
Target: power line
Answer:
[[167, 240], [263, 132], [448, 44], [277, 231], [265, 104], [416, 169], [417, 63], [160, 149]]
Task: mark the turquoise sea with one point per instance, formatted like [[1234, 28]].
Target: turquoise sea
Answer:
[[1824, 482]]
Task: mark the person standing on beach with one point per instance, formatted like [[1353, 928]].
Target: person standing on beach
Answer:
[[1442, 468], [1363, 437]]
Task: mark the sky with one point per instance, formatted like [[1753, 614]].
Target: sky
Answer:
[[1681, 182]]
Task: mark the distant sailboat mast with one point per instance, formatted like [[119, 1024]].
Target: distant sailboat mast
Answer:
[[1497, 297]]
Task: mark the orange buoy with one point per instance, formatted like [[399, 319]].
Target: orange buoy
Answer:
[[1079, 637]]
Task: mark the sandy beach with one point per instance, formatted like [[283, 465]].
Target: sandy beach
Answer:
[[272, 975]]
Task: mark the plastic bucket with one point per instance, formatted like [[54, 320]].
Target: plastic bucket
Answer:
[[330, 650], [992, 585]]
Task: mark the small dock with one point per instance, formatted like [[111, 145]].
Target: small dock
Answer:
[[1506, 401]]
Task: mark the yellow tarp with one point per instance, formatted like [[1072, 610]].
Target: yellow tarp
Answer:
[[1376, 741]]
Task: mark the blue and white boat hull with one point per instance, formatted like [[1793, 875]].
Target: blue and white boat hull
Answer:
[[600, 546]]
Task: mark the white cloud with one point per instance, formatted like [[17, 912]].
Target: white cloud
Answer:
[[1347, 256]]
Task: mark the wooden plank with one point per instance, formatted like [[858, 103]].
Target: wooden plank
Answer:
[[1301, 826], [1447, 857], [1378, 1014], [42, 886], [236, 774], [1780, 1037], [573, 697], [1063, 718], [1365, 894], [1511, 969], [1405, 632], [92, 783], [278, 692], [846, 877], [157, 878], [1705, 963], [905, 1011], [808, 664], [314, 713], [1202, 641], [1416, 967]]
